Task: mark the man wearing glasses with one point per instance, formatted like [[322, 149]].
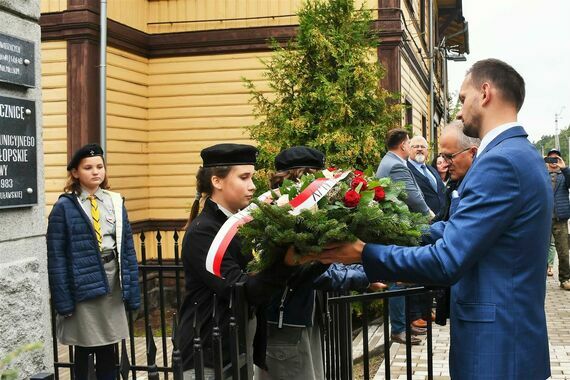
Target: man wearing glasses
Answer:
[[427, 178], [493, 249], [458, 152]]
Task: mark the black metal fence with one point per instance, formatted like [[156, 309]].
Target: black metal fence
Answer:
[[162, 292], [338, 362]]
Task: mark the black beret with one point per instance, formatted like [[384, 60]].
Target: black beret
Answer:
[[89, 150], [554, 151], [229, 155], [299, 157]]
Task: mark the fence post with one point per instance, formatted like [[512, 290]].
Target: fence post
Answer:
[[91, 368], [217, 342], [151, 355], [177, 365], [125, 365], [246, 349], [345, 331], [198, 354], [234, 339]]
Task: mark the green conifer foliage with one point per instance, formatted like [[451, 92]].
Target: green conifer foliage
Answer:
[[326, 89]]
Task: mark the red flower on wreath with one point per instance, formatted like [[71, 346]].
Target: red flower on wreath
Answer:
[[351, 198], [358, 173], [357, 181], [331, 169], [379, 194]]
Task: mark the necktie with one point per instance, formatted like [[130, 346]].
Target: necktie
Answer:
[[429, 177], [95, 216]]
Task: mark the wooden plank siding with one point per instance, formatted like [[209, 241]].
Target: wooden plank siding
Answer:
[[133, 13], [224, 14], [127, 129], [415, 64], [47, 6], [193, 102], [54, 129], [415, 93]]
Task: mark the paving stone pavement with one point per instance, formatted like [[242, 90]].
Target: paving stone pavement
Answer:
[[558, 320]]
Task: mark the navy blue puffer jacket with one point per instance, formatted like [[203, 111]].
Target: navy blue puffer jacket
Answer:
[[75, 267], [561, 202]]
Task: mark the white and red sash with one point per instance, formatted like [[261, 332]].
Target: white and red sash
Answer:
[[306, 199]]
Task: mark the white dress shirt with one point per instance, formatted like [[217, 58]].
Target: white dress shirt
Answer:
[[493, 133]]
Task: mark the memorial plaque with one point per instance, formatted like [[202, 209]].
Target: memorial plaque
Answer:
[[18, 153], [17, 64]]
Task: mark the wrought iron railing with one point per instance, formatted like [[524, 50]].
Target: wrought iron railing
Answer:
[[162, 292]]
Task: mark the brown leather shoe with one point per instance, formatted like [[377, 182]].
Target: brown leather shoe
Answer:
[[565, 285], [549, 272], [401, 338], [417, 330], [419, 323]]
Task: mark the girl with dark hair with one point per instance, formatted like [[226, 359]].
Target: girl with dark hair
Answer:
[[92, 264], [225, 180], [295, 315]]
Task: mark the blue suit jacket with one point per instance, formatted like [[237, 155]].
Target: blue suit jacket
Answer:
[[436, 200], [493, 251]]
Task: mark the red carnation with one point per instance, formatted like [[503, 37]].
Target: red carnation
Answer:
[[331, 169], [351, 198], [358, 173], [379, 194], [357, 181]]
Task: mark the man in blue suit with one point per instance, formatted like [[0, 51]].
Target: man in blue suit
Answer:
[[493, 248], [427, 178]]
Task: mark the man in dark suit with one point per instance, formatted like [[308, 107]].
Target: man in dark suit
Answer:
[[493, 249], [427, 178]]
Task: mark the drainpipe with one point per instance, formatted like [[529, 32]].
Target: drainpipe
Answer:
[[431, 71], [103, 77]]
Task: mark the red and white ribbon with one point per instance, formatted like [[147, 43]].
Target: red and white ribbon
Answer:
[[226, 234], [306, 199]]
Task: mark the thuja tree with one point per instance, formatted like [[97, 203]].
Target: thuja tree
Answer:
[[325, 89]]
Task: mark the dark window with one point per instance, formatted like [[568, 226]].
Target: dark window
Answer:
[[424, 126], [409, 120]]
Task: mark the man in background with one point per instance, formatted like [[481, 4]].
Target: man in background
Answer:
[[560, 179], [428, 179]]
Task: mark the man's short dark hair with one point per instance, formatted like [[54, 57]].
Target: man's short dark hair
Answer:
[[509, 82], [395, 137]]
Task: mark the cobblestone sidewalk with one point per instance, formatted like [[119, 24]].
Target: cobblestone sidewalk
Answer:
[[558, 319]]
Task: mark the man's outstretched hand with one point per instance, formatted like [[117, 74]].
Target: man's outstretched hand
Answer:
[[345, 253]]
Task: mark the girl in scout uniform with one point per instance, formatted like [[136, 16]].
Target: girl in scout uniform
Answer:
[[295, 315], [92, 265], [225, 180]]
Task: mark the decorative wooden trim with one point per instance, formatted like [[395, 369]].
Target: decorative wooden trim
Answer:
[[84, 24], [158, 225], [390, 26], [82, 94]]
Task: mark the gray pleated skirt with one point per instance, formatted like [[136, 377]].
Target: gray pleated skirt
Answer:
[[99, 321]]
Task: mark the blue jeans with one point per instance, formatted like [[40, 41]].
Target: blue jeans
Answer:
[[397, 311]]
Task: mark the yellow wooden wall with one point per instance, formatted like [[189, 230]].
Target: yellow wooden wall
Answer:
[[133, 13], [54, 95], [412, 90], [250, 13], [203, 14], [127, 129], [47, 6], [410, 84], [194, 102]]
